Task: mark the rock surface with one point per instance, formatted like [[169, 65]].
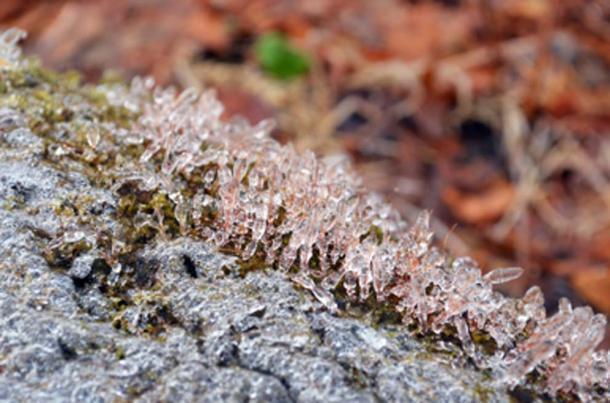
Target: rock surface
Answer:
[[200, 329]]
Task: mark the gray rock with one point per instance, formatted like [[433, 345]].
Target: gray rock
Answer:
[[188, 326]]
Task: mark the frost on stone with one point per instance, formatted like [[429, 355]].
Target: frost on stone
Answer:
[[231, 184], [10, 52], [310, 218]]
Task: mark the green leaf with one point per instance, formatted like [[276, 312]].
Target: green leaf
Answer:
[[279, 58]]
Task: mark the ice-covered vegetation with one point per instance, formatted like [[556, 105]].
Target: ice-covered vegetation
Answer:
[[230, 183]]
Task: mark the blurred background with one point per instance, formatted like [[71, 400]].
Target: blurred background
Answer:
[[494, 114]]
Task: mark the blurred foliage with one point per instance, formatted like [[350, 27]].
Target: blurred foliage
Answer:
[[279, 58]]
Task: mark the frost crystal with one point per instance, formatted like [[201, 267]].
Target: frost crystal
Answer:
[[310, 218], [10, 53]]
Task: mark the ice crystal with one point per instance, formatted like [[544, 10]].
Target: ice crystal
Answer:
[[232, 184], [312, 219], [10, 53]]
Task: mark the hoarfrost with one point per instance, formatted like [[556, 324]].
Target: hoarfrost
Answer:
[[311, 217], [10, 52]]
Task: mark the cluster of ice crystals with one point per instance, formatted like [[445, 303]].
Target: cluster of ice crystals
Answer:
[[10, 52], [311, 218]]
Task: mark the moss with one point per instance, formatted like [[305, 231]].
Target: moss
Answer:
[[256, 263], [119, 304], [14, 202], [375, 232], [161, 203], [119, 352], [483, 393], [64, 254], [54, 104], [485, 342], [245, 180], [378, 233], [119, 323], [385, 314]]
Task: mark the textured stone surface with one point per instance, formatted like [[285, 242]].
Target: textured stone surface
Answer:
[[193, 328]]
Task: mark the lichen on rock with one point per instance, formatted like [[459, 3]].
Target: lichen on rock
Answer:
[[120, 191]]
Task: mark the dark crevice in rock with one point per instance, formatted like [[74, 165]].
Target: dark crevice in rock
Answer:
[[189, 266], [67, 352]]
